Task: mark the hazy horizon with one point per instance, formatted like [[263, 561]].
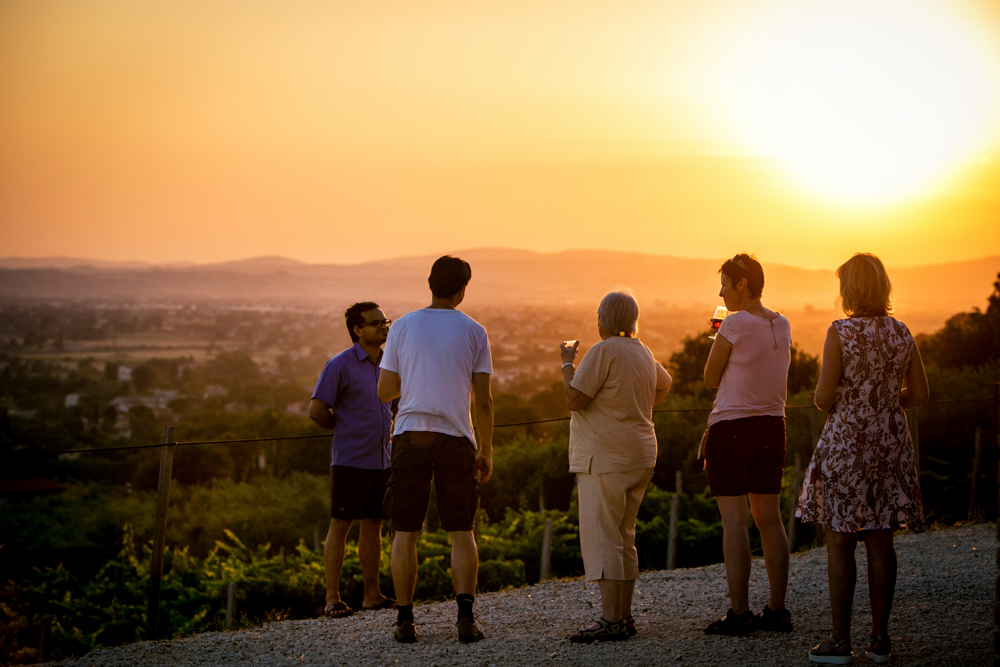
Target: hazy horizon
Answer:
[[69, 261]]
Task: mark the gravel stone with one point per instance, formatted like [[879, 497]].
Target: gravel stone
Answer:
[[942, 615]]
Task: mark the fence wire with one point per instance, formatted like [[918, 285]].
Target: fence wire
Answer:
[[495, 426]]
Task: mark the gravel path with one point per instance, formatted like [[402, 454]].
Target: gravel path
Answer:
[[942, 616]]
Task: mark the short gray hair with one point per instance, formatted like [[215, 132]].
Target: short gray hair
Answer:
[[618, 313]]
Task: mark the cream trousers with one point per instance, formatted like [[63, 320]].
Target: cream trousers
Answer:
[[609, 503]]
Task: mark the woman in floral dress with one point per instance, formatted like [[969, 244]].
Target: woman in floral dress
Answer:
[[862, 481]]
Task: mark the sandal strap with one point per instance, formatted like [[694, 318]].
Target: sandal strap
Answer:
[[835, 643]]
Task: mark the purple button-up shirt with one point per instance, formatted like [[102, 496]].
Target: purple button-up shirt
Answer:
[[362, 423]]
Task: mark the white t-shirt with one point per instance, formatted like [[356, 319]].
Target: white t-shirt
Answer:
[[755, 380], [435, 352]]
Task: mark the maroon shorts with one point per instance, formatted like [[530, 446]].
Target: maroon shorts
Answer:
[[746, 456]]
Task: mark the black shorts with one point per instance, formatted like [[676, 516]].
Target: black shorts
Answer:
[[746, 456], [356, 493], [417, 456]]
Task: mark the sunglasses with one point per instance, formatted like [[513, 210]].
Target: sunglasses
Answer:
[[378, 324]]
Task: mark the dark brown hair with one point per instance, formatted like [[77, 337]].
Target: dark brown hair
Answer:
[[746, 266], [353, 316], [448, 276]]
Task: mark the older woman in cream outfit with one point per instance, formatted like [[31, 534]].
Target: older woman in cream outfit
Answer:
[[612, 450]]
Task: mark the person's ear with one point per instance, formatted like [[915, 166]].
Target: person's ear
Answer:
[[741, 284], [357, 331]]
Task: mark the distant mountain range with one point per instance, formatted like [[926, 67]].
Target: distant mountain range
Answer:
[[500, 276]]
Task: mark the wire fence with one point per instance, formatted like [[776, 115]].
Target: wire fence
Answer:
[[495, 426]]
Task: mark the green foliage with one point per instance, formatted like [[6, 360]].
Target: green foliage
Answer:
[[967, 339], [687, 366]]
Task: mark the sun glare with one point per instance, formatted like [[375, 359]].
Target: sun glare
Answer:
[[867, 102]]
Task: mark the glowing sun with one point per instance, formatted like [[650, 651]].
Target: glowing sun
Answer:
[[866, 101]]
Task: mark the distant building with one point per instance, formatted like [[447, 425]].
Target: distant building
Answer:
[[72, 400], [124, 374], [123, 403], [300, 408], [215, 391]]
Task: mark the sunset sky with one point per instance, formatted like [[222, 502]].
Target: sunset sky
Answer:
[[340, 132]]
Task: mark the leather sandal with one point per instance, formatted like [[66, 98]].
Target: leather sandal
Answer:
[[835, 654], [337, 610], [630, 630], [880, 654], [605, 631], [775, 621], [387, 603], [732, 625]]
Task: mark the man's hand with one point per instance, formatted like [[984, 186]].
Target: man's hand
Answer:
[[484, 468]]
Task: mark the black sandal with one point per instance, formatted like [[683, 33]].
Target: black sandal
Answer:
[[605, 631], [732, 625], [629, 623], [775, 621], [881, 655]]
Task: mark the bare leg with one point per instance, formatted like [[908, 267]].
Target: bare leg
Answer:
[[370, 553], [628, 587], [881, 577], [842, 573], [404, 566], [767, 516], [736, 549], [333, 557], [464, 562], [611, 599]]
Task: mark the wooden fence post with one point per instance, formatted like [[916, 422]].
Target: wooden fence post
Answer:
[[159, 532], [796, 489], [976, 456], [995, 442], [546, 551], [675, 512], [230, 603]]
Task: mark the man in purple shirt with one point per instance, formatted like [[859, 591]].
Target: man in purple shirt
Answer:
[[346, 401]]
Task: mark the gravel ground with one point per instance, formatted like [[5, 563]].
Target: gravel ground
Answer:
[[942, 616]]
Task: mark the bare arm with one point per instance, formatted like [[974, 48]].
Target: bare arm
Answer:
[[575, 399], [482, 406], [388, 385], [663, 388], [320, 413], [917, 391], [829, 372], [718, 357]]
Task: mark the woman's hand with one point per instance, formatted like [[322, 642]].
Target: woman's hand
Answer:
[[567, 349]]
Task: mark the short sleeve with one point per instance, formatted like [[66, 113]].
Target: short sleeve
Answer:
[[329, 383], [730, 330], [390, 358], [484, 360], [593, 371], [663, 379]]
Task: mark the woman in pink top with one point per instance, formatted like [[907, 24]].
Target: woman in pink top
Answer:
[[745, 443]]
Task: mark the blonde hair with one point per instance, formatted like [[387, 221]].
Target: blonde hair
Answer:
[[865, 289], [618, 313]]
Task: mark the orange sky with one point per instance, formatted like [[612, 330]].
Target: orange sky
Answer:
[[341, 132]]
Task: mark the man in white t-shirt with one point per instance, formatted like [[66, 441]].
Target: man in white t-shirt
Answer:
[[431, 359]]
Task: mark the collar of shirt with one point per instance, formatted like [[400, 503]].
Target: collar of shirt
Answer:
[[362, 355]]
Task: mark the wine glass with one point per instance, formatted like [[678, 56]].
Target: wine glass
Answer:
[[720, 314]]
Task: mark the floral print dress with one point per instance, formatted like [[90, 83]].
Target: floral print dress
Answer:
[[862, 474]]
